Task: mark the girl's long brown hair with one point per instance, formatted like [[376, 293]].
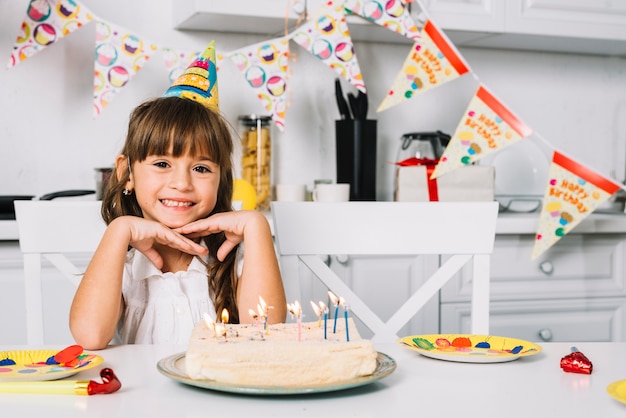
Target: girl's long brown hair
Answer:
[[181, 126]]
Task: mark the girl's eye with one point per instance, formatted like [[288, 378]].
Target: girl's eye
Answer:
[[202, 169], [161, 164]]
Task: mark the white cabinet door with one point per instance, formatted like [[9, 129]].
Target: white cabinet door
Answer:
[[573, 18], [579, 266], [599, 319], [467, 15]]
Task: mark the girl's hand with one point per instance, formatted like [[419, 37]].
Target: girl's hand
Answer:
[[146, 235], [234, 225]]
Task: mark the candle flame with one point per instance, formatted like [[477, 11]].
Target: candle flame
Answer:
[[253, 314], [262, 306], [225, 316], [295, 309], [342, 302], [334, 299], [316, 309]]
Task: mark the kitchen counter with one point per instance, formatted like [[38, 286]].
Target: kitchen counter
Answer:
[[508, 223]]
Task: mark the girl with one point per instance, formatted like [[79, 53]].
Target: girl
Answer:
[[170, 250]]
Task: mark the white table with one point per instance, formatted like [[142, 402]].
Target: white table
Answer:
[[528, 387]]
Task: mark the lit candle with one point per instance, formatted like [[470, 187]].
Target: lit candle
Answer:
[[345, 307], [225, 316], [318, 313], [263, 312], [220, 329], [296, 311], [335, 301], [325, 320], [210, 323]]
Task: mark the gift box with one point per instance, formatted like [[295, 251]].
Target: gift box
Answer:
[[465, 184]]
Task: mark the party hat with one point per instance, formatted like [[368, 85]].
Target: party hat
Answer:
[[199, 81]]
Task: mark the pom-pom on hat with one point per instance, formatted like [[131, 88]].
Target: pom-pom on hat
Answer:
[[199, 81]]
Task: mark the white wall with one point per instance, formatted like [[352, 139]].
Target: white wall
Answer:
[[49, 140]]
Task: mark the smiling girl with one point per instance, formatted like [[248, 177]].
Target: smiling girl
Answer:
[[173, 247]]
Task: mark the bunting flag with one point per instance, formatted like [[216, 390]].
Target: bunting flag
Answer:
[[487, 126], [46, 22], [176, 61], [432, 62], [327, 37], [393, 15], [573, 192], [265, 66], [119, 55]]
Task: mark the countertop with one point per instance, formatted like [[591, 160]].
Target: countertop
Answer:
[[508, 223]]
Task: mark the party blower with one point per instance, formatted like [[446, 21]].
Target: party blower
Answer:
[[110, 383]]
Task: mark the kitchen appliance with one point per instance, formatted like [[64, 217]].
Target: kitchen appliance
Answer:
[[422, 145]]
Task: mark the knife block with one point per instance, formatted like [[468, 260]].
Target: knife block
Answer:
[[356, 157]]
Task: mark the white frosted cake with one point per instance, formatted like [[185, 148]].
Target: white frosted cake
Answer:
[[250, 356]]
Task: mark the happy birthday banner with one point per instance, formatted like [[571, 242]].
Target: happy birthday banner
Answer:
[[573, 191]]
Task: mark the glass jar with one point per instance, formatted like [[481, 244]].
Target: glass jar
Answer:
[[256, 156]]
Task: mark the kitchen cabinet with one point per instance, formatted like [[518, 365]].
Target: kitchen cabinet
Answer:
[[571, 26], [574, 291]]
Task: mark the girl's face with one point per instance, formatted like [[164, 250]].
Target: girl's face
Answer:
[[176, 190]]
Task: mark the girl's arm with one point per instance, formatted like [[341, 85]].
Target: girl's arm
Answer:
[[98, 303], [261, 274]]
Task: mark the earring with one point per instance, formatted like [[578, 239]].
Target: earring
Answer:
[[126, 192]]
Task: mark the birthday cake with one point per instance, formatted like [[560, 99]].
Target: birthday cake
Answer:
[[284, 355]]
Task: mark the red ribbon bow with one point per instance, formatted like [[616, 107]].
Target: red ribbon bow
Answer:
[[433, 190]]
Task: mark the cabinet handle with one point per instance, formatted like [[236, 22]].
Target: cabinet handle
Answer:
[[342, 259], [545, 334], [546, 267]]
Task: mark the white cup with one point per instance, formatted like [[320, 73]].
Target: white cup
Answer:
[[332, 192], [290, 192]]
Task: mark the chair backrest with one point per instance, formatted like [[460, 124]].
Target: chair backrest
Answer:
[[53, 229], [465, 231]]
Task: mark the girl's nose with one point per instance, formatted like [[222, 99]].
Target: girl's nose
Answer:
[[180, 179]]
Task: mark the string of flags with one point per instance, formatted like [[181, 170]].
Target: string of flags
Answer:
[[573, 191]]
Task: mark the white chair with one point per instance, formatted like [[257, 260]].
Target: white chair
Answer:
[[53, 229], [305, 231]]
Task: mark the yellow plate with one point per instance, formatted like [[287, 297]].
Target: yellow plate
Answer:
[[30, 365], [470, 348], [244, 192], [618, 390]]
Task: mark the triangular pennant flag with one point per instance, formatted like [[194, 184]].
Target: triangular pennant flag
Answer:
[[432, 62], [487, 126], [199, 81], [46, 22], [393, 15], [265, 66], [119, 55], [177, 61], [327, 37], [572, 193]]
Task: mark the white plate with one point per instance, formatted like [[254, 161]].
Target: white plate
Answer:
[[174, 367], [470, 348], [521, 171]]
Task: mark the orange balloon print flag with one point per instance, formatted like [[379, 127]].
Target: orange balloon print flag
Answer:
[[573, 192]]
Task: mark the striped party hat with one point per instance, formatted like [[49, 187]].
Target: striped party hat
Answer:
[[199, 81]]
